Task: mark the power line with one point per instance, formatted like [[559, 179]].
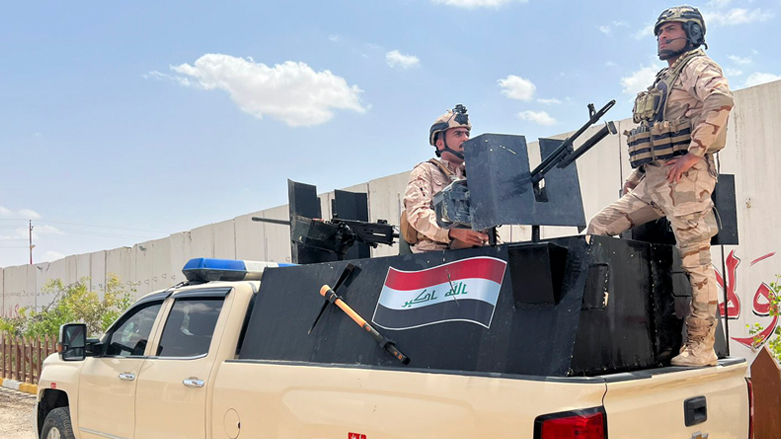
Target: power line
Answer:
[[79, 224]]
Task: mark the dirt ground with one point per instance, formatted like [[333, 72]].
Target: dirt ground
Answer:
[[16, 414]]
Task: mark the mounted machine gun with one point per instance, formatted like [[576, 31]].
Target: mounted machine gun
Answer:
[[347, 235]]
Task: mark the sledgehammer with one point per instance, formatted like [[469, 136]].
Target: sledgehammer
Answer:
[[386, 344]]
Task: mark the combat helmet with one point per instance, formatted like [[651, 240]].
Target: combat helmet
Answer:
[[455, 118], [692, 22]]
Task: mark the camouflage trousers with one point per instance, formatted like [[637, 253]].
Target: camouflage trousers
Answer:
[[688, 206]]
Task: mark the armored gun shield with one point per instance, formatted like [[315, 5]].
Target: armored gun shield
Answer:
[[501, 190]]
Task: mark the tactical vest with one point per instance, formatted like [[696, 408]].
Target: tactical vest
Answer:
[[657, 138]]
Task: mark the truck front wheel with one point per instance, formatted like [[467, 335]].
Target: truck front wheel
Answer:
[[57, 425]]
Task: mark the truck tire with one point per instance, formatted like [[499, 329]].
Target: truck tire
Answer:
[[57, 425]]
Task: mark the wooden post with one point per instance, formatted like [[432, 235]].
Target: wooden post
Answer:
[[7, 357], [766, 378], [25, 361], [2, 355], [18, 352], [29, 347], [40, 358], [36, 356]]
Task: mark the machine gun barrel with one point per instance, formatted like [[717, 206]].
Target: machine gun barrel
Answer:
[[562, 151], [271, 221], [609, 128]]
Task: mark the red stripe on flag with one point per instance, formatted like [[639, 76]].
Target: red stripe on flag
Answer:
[[472, 268]]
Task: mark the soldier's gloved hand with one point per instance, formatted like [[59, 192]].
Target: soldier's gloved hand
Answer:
[[468, 237], [678, 166]]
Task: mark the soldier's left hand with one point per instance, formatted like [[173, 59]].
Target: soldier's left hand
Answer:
[[678, 166]]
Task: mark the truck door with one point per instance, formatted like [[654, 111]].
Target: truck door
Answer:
[[107, 385], [174, 383]]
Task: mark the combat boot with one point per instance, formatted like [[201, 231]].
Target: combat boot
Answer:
[[698, 350]]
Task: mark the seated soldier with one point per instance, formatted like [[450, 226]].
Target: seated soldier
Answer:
[[419, 221]]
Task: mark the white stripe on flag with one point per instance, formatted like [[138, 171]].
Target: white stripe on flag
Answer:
[[474, 289]]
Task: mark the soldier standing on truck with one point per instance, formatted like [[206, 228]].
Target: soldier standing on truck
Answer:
[[683, 122], [419, 225]]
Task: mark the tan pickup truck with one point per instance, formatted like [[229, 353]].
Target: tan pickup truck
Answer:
[[175, 366]]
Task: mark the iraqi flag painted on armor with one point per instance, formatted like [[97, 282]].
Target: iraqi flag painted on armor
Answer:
[[464, 290]]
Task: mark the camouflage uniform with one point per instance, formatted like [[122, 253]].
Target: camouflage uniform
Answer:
[[701, 94], [426, 180]]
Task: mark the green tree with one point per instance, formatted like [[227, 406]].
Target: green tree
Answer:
[[72, 303]]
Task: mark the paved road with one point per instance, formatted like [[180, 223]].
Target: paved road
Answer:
[[16, 414]]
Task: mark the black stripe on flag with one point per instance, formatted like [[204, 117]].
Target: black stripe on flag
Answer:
[[475, 311]]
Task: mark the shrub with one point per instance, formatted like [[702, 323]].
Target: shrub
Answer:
[[72, 303]]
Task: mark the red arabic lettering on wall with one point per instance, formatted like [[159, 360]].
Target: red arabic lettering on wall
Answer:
[[760, 306], [10, 313]]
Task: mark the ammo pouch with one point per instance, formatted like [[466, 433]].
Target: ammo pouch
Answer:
[[408, 233], [647, 105], [659, 141]]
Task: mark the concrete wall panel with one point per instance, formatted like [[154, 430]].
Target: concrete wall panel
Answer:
[[180, 253], [325, 205], [202, 244], [18, 293], [250, 237], [122, 263], [98, 270], [225, 239], [153, 262], [276, 243], [386, 196], [63, 269], [83, 266], [600, 171]]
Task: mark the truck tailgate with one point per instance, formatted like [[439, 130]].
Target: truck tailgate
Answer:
[[651, 404]]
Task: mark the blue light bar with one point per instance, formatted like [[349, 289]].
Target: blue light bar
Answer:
[[228, 270]]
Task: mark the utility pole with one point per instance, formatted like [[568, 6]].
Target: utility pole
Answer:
[[31, 242]]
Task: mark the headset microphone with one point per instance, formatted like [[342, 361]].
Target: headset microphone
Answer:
[[671, 40]]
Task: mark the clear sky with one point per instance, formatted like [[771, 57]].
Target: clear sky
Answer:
[[127, 121]]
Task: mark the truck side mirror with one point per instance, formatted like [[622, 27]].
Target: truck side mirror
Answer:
[[72, 342]]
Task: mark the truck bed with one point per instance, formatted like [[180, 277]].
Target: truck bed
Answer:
[[302, 400]]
